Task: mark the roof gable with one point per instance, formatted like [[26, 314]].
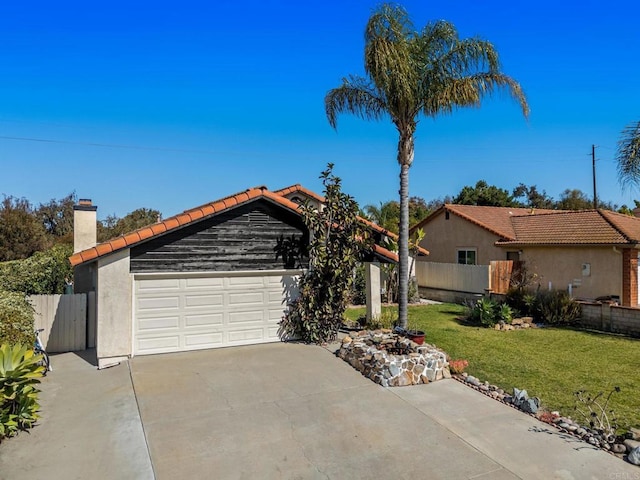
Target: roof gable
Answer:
[[496, 220]]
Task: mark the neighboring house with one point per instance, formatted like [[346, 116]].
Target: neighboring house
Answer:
[[594, 251], [217, 275]]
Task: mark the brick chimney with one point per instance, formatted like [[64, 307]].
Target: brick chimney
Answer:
[[85, 233]]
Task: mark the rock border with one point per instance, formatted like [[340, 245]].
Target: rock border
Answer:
[[628, 451]]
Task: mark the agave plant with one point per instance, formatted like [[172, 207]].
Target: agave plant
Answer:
[[20, 372]]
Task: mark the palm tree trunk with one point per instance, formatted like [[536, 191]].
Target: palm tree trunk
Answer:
[[405, 158], [403, 247]]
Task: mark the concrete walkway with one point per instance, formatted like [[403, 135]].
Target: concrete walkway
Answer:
[[281, 411]]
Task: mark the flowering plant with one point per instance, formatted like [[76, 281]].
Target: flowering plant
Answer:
[[458, 366]]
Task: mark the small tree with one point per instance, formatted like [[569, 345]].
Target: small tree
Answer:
[[338, 241]]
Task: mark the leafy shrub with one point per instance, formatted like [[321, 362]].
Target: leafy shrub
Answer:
[[19, 373], [556, 307], [521, 301], [41, 274], [339, 239], [504, 313], [488, 312], [484, 312], [16, 319]]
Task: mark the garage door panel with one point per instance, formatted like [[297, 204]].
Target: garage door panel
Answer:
[[246, 317], [159, 302], [244, 283], [213, 320], [160, 344], [209, 301], [246, 299], [206, 282], [158, 322], [163, 284], [246, 335], [204, 340], [208, 311]]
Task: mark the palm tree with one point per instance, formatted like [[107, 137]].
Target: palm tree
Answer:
[[628, 155], [411, 73]]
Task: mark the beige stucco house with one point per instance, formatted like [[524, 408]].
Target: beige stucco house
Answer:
[[595, 252], [213, 276]]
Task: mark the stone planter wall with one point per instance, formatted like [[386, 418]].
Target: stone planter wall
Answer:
[[392, 360]]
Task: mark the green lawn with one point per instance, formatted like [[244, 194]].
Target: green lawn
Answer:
[[550, 363]]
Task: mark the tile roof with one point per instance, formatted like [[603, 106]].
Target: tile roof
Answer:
[[297, 188], [497, 220], [203, 211], [585, 227]]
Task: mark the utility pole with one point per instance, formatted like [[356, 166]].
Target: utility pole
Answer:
[[593, 163]]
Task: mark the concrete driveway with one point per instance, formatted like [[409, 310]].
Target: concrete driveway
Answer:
[[281, 411]]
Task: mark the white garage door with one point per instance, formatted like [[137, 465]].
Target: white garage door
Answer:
[[175, 313]]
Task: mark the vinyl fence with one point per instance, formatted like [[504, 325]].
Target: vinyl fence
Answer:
[[64, 319], [453, 276]]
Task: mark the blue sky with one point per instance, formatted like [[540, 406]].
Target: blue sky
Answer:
[[169, 105]]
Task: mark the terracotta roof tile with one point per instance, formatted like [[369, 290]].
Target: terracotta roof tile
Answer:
[[144, 233], [118, 243], [133, 237], [171, 223], [103, 248], [586, 227]]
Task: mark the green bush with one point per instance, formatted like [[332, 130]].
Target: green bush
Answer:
[[488, 312], [41, 274], [556, 307], [19, 373], [484, 312], [16, 319]]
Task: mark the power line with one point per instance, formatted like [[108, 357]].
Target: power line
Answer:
[[105, 145]]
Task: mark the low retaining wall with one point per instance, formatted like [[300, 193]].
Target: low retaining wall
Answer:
[[610, 318], [448, 296]]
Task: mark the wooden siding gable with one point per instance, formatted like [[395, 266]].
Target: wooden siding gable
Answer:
[[258, 235]]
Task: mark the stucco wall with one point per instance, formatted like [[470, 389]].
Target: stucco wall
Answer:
[[562, 266], [114, 317], [444, 237]]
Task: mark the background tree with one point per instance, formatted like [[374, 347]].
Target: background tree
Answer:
[[532, 198], [387, 215], [57, 218], [484, 194], [409, 74], [574, 199], [21, 233], [113, 226], [628, 156]]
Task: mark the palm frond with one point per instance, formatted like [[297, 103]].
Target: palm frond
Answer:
[[469, 91], [356, 96], [628, 156]]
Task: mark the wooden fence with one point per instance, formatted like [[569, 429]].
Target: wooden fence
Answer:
[[496, 277], [453, 276], [64, 319]]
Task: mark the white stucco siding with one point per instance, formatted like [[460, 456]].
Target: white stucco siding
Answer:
[[114, 312]]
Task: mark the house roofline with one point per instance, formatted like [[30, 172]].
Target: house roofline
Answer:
[[200, 213]]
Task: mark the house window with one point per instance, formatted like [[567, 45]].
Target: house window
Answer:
[[467, 256]]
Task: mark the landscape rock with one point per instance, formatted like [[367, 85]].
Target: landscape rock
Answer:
[[631, 444], [634, 456], [618, 448]]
